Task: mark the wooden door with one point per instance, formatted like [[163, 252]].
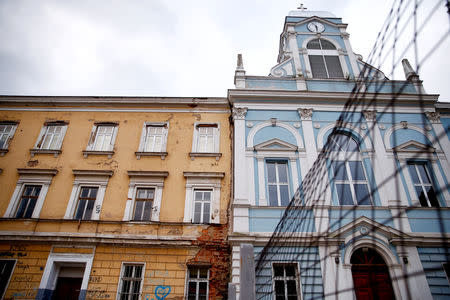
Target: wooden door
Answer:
[[67, 288], [371, 276]]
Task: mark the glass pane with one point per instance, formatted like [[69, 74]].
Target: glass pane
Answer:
[[362, 194], [158, 144], [210, 144], [46, 142], [89, 209], [198, 196], [137, 271], [21, 210], [203, 273], [422, 198], [36, 191], [128, 272], [142, 193], [282, 172], [126, 287], [314, 44], [318, 66], [271, 175], [136, 287], [99, 143], [206, 212], [197, 212], [192, 292], [3, 140], [423, 173], [202, 288], [279, 287], [93, 192], [432, 196], [30, 208], [80, 210], [84, 192], [138, 210], [278, 270], [284, 194], [54, 143], [344, 194], [290, 270], [147, 210], [193, 273], [356, 170], [412, 171], [334, 66], [273, 197], [326, 45], [28, 190], [291, 288], [340, 172], [207, 196]]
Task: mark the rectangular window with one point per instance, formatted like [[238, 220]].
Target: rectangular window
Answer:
[[143, 204], [86, 200], [326, 66], [6, 270], [202, 206], [198, 283], [285, 281], [206, 138], [103, 138], [155, 138], [51, 138], [351, 183], [131, 281], [6, 132], [423, 184], [28, 200], [278, 183]]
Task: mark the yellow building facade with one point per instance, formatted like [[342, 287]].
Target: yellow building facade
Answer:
[[114, 197]]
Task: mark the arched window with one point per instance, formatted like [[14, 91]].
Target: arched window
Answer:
[[324, 59], [349, 176]]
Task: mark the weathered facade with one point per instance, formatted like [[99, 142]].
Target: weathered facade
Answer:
[[114, 197]]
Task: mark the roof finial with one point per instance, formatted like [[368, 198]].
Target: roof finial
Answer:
[[301, 7]]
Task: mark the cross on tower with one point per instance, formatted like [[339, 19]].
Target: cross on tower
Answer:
[[301, 7]]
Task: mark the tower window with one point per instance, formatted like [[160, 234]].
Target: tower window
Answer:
[[324, 59]]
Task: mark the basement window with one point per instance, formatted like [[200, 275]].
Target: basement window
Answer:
[[198, 283]]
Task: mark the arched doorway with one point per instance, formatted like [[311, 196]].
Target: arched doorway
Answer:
[[370, 275]]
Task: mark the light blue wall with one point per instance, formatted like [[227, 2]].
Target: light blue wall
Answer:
[[263, 219], [446, 123], [401, 136], [429, 220], [341, 216], [273, 84], [432, 259], [271, 132], [308, 261]]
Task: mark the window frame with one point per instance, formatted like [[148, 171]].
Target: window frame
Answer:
[[202, 203], [431, 176], [88, 178], [122, 270], [56, 150], [90, 148], [277, 183], [136, 200], [285, 278], [203, 181], [344, 158], [145, 179], [197, 280], [9, 136], [21, 200], [196, 140], [88, 199], [144, 136], [27, 177], [2, 293]]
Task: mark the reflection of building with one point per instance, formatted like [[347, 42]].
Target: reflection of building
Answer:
[[114, 196], [373, 231]]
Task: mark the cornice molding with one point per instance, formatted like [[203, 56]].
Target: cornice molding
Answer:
[[23, 171]]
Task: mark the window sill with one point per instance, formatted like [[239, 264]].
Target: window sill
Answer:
[[3, 152], [55, 153], [205, 154], [162, 154], [86, 153]]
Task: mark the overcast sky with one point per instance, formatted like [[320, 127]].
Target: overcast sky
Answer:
[[177, 48]]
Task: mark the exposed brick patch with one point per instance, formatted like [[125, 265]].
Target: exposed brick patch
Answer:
[[214, 251]]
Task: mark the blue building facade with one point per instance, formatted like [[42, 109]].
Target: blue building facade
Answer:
[[380, 200]]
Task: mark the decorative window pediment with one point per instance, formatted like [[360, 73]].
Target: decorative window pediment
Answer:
[[413, 146], [275, 145]]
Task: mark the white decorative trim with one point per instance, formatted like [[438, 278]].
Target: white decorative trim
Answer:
[[56, 260], [362, 134], [145, 179], [390, 131], [203, 180], [41, 177], [97, 178], [291, 129]]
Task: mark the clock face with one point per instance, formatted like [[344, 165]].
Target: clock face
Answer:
[[316, 27]]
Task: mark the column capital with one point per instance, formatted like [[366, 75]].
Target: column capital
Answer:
[[370, 115], [305, 113], [239, 113], [433, 116]]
